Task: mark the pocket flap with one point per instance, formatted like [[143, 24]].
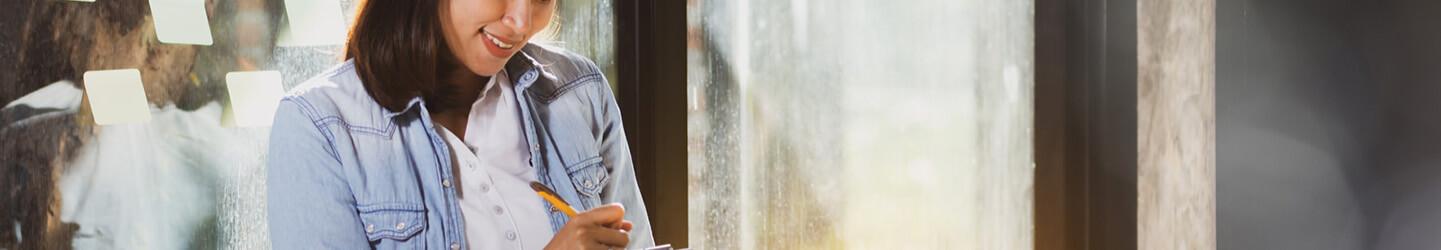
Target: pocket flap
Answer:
[[392, 221], [589, 176]]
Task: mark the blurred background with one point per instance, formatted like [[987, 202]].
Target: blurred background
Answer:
[[1327, 129], [858, 124], [870, 124]]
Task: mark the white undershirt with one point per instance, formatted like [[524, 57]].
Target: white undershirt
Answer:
[[493, 171]]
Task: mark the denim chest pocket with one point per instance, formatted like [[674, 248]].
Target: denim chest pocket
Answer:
[[389, 195], [393, 224], [589, 178], [380, 175]]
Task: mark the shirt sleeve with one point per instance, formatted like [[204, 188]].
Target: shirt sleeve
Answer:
[[615, 153], [310, 204]]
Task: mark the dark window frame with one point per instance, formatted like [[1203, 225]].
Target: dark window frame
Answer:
[[1085, 124], [650, 90]]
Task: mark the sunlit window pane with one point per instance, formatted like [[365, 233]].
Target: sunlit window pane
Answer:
[[586, 27], [860, 124]]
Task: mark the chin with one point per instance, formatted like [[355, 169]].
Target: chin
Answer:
[[487, 66], [486, 70]]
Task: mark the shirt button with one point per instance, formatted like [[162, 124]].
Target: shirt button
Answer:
[[589, 184], [400, 225], [484, 188], [534, 147], [527, 77], [445, 183], [510, 235], [454, 245], [499, 210], [370, 228]]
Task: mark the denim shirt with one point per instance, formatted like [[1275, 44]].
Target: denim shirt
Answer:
[[345, 173]]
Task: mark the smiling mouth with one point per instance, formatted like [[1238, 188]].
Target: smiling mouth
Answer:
[[498, 43]]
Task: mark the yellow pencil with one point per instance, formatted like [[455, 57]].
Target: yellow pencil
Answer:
[[554, 199]]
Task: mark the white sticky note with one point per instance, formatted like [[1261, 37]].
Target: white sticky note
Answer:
[[116, 96], [254, 96], [181, 21], [312, 23]]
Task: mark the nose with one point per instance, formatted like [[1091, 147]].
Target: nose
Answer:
[[517, 15]]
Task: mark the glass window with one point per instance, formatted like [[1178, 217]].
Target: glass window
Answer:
[[860, 124]]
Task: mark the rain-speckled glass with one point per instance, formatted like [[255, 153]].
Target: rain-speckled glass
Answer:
[[860, 124]]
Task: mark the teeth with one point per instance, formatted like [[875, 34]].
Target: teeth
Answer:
[[499, 43]]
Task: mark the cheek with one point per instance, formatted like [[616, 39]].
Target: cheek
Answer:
[[469, 15], [542, 20], [463, 24]]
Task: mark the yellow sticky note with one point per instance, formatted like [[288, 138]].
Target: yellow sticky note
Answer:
[[312, 23], [254, 96], [116, 96], [181, 21]]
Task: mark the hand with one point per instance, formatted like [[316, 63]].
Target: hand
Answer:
[[603, 227]]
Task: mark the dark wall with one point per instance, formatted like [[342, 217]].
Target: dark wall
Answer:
[[1327, 123]]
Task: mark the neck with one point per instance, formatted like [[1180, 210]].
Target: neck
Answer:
[[463, 85]]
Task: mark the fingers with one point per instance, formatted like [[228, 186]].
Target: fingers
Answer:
[[602, 215], [606, 236], [624, 226], [602, 227], [596, 246]]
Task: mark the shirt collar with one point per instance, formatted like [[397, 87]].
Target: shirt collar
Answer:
[[520, 65], [493, 84], [414, 103]]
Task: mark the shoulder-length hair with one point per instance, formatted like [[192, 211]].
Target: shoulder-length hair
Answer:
[[399, 51]]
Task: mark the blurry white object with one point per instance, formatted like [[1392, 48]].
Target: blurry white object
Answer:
[[254, 96], [312, 23], [59, 95], [181, 21], [175, 183], [116, 96]]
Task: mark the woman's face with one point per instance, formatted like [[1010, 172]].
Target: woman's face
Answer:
[[484, 34]]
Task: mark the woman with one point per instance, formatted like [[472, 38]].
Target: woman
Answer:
[[429, 134]]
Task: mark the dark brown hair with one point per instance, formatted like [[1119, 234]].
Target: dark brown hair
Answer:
[[56, 40], [400, 51]]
